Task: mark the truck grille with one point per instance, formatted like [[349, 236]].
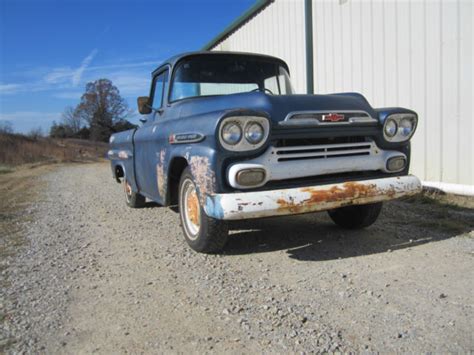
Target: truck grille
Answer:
[[323, 151], [319, 116]]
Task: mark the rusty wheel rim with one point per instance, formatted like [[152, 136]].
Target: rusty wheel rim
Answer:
[[192, 210], [128, 190]]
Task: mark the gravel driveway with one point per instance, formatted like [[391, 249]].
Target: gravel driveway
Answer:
[[96, 276]]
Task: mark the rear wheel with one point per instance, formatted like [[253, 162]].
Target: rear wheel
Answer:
[[202, 233], [356, 217], [133, 199]]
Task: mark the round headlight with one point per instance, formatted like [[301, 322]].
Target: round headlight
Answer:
[[254, 133], [231, 133], [406, 127], [390, 128]]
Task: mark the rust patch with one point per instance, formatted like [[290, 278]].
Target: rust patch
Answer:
[[204, 176], [349, 191], [391, 192], [160, 174]]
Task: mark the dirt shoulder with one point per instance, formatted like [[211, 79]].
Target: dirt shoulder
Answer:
[[100, 277]]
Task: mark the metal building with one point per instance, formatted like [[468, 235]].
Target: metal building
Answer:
[[416, 54]]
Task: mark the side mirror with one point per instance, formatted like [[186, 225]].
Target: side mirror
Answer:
[[143, 105]]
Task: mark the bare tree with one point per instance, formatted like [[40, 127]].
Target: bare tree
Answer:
[[6, 127], [36, 133], [72, 119], [102, 107]]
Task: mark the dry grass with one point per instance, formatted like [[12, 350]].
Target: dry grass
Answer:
[[16, 149]]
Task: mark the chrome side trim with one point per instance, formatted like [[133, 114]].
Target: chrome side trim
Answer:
[[119, 154], [183, 138]]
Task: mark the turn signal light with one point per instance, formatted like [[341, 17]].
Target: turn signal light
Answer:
[[250, 177], [396, 164]]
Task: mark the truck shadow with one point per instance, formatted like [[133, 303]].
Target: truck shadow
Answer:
[[313, 237]]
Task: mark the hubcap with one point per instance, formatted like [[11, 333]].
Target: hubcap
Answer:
[[191, 211]]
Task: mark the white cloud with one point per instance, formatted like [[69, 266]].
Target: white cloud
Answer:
[[59, 75], [131, 83], [76, 77], [152, 64], [132, 78], [68, 95], [10, 88]]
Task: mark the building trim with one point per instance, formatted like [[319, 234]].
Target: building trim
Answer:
[[308, 26], [449, 188], [238, 23]]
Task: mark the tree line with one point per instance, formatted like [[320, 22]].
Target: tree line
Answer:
[[100, 113]]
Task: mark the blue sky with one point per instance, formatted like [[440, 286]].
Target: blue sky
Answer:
[[49, 49]]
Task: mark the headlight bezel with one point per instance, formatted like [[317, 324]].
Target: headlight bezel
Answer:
[[399, 135], [244, 122]]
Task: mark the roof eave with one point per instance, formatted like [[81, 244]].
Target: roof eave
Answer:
[[235, 25]]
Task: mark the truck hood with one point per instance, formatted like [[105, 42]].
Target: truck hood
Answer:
[[277, 106]]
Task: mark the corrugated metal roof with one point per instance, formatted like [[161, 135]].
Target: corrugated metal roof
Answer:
[[239, 22]]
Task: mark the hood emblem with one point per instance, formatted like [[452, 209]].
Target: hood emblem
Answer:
[[332, 117]]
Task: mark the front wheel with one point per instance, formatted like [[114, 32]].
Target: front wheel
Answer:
[[356, 217], [202, 233]]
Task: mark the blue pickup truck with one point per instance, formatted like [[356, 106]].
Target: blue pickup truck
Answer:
[[224, 137]]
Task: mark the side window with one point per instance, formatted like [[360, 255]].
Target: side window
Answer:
[[158, 92]]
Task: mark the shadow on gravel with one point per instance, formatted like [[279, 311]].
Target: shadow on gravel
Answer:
[[313, 237], [151, 204]]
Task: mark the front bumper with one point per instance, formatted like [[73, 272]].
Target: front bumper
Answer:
[[247, 205]]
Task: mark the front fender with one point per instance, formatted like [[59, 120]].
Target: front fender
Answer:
[[205, 166]]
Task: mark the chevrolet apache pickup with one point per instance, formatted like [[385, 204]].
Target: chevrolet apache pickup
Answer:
[[224, 137]]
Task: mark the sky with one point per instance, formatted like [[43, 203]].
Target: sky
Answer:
[[50, 49]]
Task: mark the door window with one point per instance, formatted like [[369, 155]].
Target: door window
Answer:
[[158, 92]]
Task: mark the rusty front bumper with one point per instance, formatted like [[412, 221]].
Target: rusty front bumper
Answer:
[[247, 205]]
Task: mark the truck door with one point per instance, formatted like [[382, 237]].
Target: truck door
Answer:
[[149, 141]]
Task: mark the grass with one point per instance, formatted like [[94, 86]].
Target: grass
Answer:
[[5, 169], [17, 149]]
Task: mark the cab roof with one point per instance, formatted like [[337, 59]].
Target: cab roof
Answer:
[[175, 59]]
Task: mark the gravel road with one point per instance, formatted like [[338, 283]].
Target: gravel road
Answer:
[[96, 276]]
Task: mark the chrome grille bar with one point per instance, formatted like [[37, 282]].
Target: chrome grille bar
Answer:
[[324, 151]]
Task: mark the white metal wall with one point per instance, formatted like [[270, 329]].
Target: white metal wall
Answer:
[[277, 30], [416, 54]]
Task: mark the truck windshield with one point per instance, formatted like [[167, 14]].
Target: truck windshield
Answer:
[[208, 75]]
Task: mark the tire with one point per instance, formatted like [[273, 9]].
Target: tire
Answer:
[[202, 233], [356, 217], [133, 199]]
